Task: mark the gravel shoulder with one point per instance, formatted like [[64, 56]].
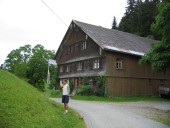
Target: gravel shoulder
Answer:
[[117, 115]]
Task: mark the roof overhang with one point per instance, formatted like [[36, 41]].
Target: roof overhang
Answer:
[[125, 51]]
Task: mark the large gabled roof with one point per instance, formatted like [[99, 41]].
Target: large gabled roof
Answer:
[[115, 40], [111, 39]]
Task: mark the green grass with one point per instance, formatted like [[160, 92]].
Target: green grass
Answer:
[[120, 99], [163, 117], [23, 106], [54, 93]]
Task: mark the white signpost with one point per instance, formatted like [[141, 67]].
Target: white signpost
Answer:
[[50, 62]]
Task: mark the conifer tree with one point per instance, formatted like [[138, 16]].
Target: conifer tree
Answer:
[[114, 23]]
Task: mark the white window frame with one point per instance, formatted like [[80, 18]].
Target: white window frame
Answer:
[[83, 45], [86, 37], [61, 69], [96, 64], [79, 66], [68, 68], [119, 64]]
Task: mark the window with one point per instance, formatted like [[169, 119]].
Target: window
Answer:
[[61, 68], [86, 37], [79, 66], [96, 64], [71, 49], [68, 68], [119, 64], [83, 45]]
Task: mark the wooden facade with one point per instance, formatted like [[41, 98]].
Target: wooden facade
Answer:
[[80, 56], [133, 78]]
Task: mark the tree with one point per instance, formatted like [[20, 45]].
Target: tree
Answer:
[[138, 17], [38, 66], [127, 22], [31, 64], [159, 55], [114, 24], [17, 60]]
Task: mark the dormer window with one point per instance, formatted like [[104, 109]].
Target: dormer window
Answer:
[[83, 45], [119, 64]]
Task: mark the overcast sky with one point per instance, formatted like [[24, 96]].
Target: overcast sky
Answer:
[[31, 22]]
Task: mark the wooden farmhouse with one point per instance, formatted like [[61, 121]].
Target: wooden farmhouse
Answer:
[[88, 51]]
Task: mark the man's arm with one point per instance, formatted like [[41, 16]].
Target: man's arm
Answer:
[[68, 89]]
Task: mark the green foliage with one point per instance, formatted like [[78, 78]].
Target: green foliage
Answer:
[[23, 106], [159, 55], [101, 84], [138, 17], [17, 60], [57, 93], [85, 81], [121, 99], [160, 116], [114, 23], [31, 64], [71, 85], [54, 80], [84, 90]]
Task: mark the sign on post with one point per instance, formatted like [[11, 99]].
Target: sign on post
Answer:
[[50, 62]]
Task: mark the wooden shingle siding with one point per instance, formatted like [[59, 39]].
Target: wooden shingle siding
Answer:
[[112, 53], [133, 78]]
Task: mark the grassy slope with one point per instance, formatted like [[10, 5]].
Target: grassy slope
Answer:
[[21, 105]]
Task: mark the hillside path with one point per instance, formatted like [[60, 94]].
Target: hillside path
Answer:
[[117, 115]]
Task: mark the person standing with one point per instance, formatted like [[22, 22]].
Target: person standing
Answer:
[[65, 94]]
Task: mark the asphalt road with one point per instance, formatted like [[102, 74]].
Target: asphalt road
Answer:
[[117, 115]]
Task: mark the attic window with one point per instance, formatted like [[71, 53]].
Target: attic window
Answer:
[[86, 37], [71, 49], [119, 64], [83, 45]]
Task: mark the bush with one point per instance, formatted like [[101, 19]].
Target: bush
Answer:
[[84, 90], [85, 81], [71, 86], [100, 85]]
